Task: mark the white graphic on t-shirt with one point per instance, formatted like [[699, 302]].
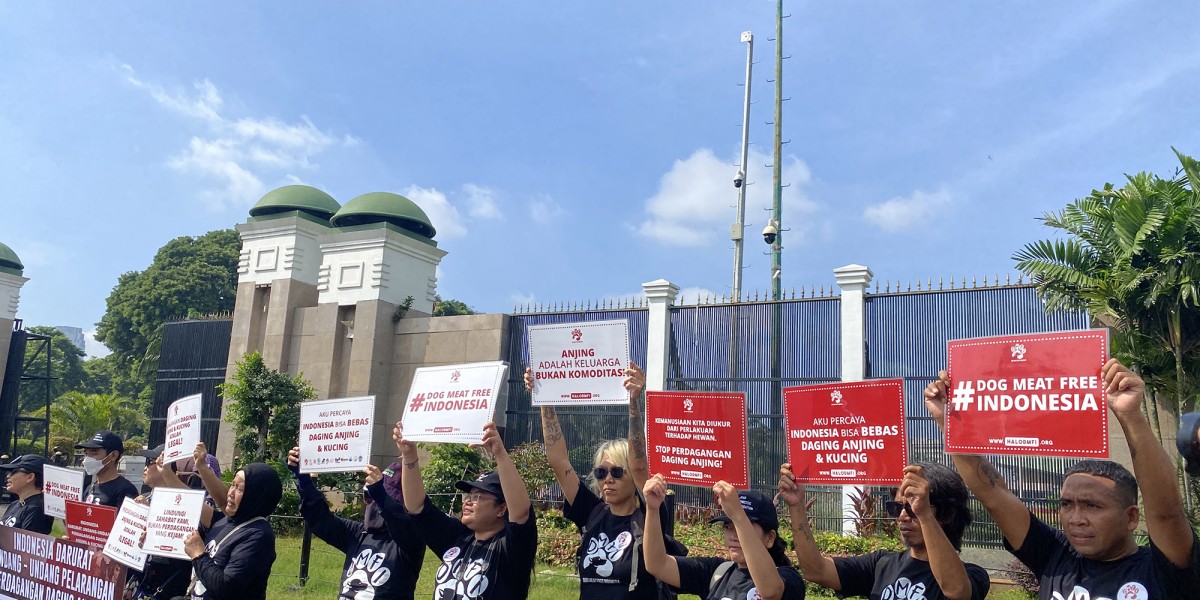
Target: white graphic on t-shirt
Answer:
[[1133, 591], [753, 594], [602, 552], [471, 582], [9, 522], [903, 589], [1081, 593], [364, 575]]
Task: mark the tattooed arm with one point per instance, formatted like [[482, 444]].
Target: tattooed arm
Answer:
[[981, 476], [635, 382], [556, 448]]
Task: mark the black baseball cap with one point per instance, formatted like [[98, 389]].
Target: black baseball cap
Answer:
[[152, 453], [486, 482], [30, 463], [758, 506], [106, 440]]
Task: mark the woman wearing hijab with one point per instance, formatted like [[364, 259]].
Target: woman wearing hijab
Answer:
[[232, 559]]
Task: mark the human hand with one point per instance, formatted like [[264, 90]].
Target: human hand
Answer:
[[726, 497], [1126, 390], [935, 398], [914, 489], [407, 449], [790, 492], [374, 475], [655, 492], [193, 545], [491, 441], [294, 458], [635, 380], [529, 380]]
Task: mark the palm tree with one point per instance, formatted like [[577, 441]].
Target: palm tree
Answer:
[[77, 416]]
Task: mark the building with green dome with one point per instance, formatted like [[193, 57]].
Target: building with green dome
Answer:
[[11, 280]]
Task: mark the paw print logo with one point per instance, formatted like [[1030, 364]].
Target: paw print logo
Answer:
[[835, 398], [603, 552], [1079, 593], [904, 589], [1018, 352], [576, 335], [364, 575], [454, 376], [688, 404], [1133, 591]]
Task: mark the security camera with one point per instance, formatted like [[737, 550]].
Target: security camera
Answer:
[[738, 179], [769, 233]]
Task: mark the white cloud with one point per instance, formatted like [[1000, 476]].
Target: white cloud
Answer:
[[481, 202], [544, 210], [239, 153], [904, 212], [521, 298], [696, 201], [444, 216], [93, 348], [692, 295]]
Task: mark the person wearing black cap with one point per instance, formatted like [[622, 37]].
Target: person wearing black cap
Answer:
[[383, 552], [758, 566], [25, 481], [488, 554], [232, 559], [931, 511], [101, 457]]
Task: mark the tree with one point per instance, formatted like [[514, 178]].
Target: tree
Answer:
[[78, 416], [188, 275], [264, 408], [450, 308], [66, 369]]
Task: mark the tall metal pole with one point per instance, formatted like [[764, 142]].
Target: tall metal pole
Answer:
[[777, 171], [739, 180]]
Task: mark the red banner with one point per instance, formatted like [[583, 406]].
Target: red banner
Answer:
[[35, 566], [847, 433], [1035, 394], [89, 523], [698, 438]]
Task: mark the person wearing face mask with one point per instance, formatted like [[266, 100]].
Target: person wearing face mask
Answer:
[[383, 552], [931, 512], [233, 553], [101, 459], [25, 481]]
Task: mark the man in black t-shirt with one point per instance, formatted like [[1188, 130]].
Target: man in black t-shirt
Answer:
[[25, 481], [931, 513], [1095, 555], [101, 458]]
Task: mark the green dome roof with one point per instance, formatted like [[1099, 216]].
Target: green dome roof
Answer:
[[385, 207], [296, 197], [9, 260]]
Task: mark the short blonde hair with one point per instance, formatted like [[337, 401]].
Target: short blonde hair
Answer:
[[617, 452]]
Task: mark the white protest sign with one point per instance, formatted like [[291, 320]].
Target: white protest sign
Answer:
[[58, 486], [452, 403], [174, 513], [579, 363], [183, 428], [335, 435], [123, 543]]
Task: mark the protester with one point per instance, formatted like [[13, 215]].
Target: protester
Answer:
[[101, 461], [931, 512], [758, 566], [1095, 555], [162, 578], [232, 559], [488, 553], [25, 482], [383, 555], [610, 524]]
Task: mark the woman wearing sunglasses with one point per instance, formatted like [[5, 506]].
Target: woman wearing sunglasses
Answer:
[[608, 512], [931, 513]]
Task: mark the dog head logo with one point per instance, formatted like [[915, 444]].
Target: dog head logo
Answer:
[[687, 405], [1018, 352], [835, 398], [576, 335], [454, 376]]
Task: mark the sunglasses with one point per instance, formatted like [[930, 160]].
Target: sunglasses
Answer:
[[601, 473], [893, 509]]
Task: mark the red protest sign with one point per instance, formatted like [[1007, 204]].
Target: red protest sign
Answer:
[[1015, 394], [844, 433], [39, 566], [698, 438], [89, 523]]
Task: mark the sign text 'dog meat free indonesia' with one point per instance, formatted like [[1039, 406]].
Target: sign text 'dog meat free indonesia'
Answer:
[[452, 403], [1035, 394], [698, 438], [847, 433], [579, 363]]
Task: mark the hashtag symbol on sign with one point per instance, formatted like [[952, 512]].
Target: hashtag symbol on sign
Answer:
[[416, 403], [964, 395]]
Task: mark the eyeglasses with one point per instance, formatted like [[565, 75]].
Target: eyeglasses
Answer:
[[601, 473], [474, 497], [893, 509]]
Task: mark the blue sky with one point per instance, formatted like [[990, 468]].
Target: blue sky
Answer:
[[570, 151]]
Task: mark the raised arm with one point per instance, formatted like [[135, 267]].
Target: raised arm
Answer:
[[556, 447], [947, 566], [635, 384], [981, 476], [758, 558], [516, 496], [654, 551], [410, 476], [816, 567], [213, 484], [1166, 521]]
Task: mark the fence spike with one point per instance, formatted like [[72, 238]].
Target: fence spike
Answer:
[[1020, 278]]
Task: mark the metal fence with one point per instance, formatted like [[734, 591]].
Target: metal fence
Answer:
[[192, 361]]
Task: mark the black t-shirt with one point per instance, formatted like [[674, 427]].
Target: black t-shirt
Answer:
[[28, 514], [1144, 575], [695, 575], [494, 569], [110, 493], [236, 562], [884, 574], [608, 549]]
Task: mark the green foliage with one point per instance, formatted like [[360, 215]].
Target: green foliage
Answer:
[[402, 309], [66, 369], [832, 544], [531, 462], [77, 416], [449, 463], [450, 308], [264, 409]]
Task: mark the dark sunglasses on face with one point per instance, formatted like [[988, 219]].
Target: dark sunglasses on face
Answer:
[[893, 509], [601, 473]]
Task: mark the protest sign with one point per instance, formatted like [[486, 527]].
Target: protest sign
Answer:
[[335, 435], [579, 363], [36, 567], [847, 433], [58, 486], [698, 438], [452, 403], [183, 428], [123, 543], [89, 523], [1034, 394], [174, 513]]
